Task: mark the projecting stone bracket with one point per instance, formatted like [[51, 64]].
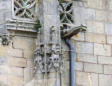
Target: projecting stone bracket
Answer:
[[68, 33]]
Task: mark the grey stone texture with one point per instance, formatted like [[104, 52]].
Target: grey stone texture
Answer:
[[93, 49], [86, 79], [5, 13], [84, 47]]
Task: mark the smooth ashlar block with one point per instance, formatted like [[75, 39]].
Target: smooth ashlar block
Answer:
[[84, 47], [86, 79], [102, 49]]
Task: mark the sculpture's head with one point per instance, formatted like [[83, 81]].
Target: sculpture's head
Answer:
[[68, 33]]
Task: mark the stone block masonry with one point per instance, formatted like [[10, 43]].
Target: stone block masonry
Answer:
[[93, 48], [16, 60], [101, 49]]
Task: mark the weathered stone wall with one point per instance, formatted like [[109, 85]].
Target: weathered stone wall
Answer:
[[5, 14], [16, 59], [93, 48]]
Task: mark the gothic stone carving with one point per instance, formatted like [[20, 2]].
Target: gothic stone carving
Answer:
[[25, 8]]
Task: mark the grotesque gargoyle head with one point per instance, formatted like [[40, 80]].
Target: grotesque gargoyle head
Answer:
[[68, 33]]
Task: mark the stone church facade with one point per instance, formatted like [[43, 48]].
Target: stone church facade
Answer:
[[18, 42]]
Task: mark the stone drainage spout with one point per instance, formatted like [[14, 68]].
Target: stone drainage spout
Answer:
[[66, 35]]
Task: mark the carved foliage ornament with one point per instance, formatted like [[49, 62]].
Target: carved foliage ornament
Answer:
[[25, 8]]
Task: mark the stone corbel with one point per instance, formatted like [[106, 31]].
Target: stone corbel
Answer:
[[68, 33]]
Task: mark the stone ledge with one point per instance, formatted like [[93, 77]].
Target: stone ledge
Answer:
[[20, 25]]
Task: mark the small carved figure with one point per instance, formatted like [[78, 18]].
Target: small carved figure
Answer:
[[5, 40]]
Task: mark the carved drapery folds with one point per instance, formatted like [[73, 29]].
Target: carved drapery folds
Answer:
[[25, 8]]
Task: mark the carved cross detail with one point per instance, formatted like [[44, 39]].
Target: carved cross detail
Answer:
[[25, 8]]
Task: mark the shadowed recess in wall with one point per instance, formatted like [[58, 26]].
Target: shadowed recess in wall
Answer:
[[25, 8]]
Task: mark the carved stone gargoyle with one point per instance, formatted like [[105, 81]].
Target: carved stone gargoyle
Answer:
[[68, 33]]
